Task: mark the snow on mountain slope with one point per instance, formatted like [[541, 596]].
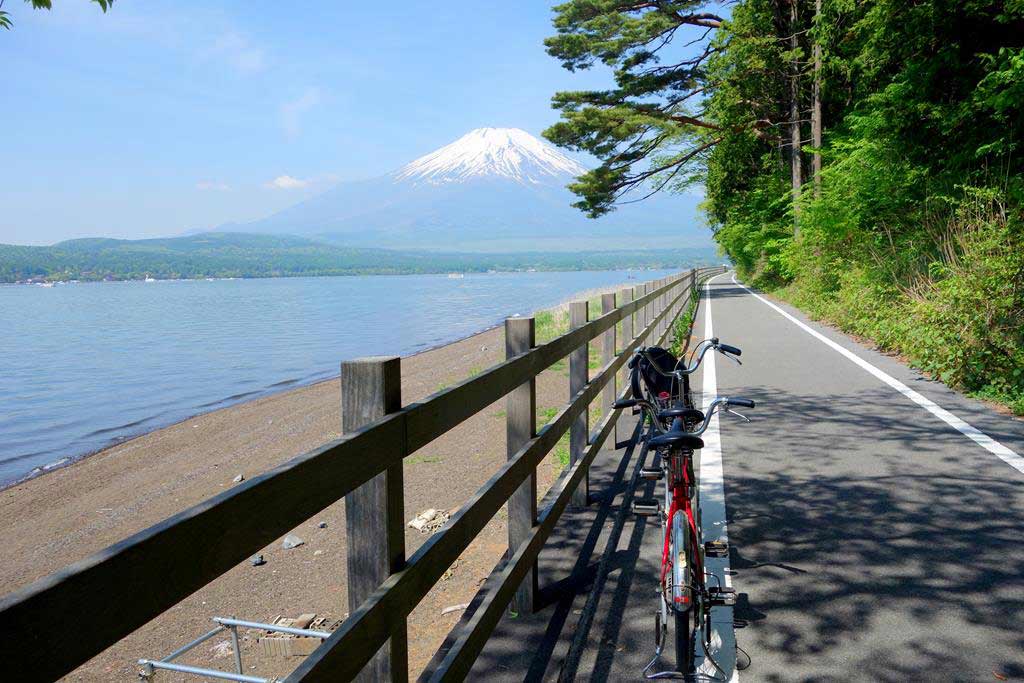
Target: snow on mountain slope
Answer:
[[493, 189], [503, 152]]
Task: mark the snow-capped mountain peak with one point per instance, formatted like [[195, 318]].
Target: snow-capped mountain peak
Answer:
[[504, 152]]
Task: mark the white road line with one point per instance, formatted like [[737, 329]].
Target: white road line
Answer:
[[712, 512], [976, 435]]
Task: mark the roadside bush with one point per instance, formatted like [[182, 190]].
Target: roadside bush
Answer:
[[953, 304]]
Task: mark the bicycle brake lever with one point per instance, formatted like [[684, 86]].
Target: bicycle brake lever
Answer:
[[730, 410], [734, 359]]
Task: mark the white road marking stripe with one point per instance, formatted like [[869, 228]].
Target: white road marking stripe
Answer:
[[976, 435], [712, 512]]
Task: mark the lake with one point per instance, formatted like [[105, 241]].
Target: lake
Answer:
[[84, 366]]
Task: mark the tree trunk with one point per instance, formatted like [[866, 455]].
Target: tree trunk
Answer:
[[816, 110], [796, 162]]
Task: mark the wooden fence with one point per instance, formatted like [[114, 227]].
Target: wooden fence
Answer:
[[57, 623]]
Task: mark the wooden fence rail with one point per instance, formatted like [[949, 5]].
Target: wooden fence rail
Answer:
[[60, 621]]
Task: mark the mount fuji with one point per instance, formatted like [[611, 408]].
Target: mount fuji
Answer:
[[493, 189]]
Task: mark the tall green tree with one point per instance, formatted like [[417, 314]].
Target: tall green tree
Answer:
[[651, 130], [914, 233]]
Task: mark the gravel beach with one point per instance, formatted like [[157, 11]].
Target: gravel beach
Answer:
[[65, 515]]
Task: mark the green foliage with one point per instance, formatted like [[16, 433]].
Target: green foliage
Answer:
[[561, 449], [684, 324], [5, 18], [915, 239], [644, 129], [550, 324], [912, 238]]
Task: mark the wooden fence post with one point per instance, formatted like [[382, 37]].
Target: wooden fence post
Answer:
[[653, 314], [673, 293], [646, 313], [680, 289], [625, 297], [662, 302], [610, 390], [579, 373], [374, 512], [520, 427], [641, 314], [638, 315], [666, 322], [652, 311], [670, 318]]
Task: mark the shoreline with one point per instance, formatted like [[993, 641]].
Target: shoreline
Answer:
[[373, 273], [49, 522], [284, 387]]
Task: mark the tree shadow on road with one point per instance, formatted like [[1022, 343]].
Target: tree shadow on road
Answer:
[[864, 545], [875, 539]]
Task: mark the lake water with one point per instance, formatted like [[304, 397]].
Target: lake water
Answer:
[[83, 366]]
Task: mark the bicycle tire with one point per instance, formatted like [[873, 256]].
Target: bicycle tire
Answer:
[[684, 623], [685, 642]]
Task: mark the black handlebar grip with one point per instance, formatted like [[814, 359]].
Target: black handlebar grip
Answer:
[[741, 402], [625, 403], [730, 349]]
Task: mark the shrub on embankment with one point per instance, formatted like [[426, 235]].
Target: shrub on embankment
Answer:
[[953, 305], [914, 237]]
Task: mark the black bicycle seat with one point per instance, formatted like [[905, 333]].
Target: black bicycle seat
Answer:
[[688, 414], [676, 439]]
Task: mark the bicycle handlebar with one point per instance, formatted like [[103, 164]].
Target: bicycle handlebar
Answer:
[[701, 349], [730, 349], [722, 402]]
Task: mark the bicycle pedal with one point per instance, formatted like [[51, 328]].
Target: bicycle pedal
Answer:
[[651, 473], [716, 549], [722, 597], [646, 507]]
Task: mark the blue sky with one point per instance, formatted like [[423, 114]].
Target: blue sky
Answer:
[[162, 117]]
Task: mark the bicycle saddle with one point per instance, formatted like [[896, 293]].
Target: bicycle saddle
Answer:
[[688, 414], [676, 439]]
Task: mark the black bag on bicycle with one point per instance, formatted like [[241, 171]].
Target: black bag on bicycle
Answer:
[[658, 385]]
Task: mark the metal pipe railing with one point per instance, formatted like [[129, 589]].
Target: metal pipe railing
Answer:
[[227, 621], [150, 666]]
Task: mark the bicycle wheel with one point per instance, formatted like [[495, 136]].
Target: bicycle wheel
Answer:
[[685, 642], [682, 595]]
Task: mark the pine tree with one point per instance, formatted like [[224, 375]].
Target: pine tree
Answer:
[[650, 131]]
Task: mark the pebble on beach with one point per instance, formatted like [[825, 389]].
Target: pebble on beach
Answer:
[[292, 541]]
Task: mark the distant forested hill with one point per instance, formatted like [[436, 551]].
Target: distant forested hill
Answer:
[[245, 255]]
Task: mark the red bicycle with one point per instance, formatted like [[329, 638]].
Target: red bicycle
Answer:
[[673, 435]]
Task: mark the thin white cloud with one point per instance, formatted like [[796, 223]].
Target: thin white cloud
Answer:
[[286, 182], [291, 112], [212, 185], [237, 51]]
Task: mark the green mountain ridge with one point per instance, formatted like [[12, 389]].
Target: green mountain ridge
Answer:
[[251, 255]]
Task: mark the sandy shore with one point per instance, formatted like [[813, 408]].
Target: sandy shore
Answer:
[[68, 514]]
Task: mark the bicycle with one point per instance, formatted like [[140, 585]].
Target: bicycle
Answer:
[[670, 387], [674, 436]]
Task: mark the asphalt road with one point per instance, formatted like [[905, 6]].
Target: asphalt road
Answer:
[[870, 539]]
